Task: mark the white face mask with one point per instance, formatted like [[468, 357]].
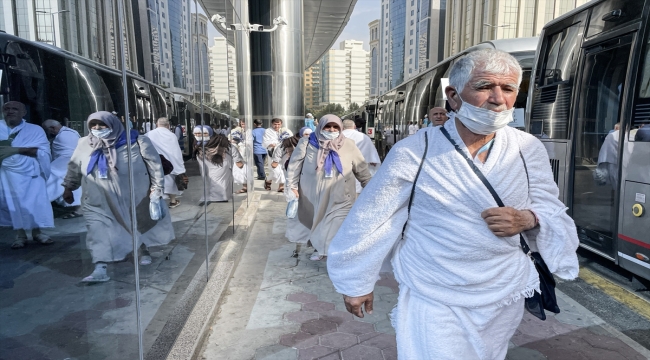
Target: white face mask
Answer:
[[330, 135], [101, 133], [483, 121]]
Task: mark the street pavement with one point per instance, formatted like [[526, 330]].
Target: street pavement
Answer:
[[281, 307]]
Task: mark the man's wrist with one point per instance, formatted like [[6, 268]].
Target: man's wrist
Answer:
[[534, 220]]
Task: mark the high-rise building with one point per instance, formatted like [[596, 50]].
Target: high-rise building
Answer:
[[201, 62], [374, 57], [313, 87], [223, 72], [176, 45], [409, 39], [345, 74], [470, 22]]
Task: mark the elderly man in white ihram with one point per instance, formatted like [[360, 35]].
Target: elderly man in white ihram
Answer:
[[366, 147], [462, 274]]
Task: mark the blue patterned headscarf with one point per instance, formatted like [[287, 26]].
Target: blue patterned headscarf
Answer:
[[104, 153], [328, 149]]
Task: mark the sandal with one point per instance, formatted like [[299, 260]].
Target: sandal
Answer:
[[267, 185], [71, 215], [316, 256], [281, 189], [19, 243], [92, 278], [99, 275], [242, 191], [145, 260], [174, 204], [43, 239]]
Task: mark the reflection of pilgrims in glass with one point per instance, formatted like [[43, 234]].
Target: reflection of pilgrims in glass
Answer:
[[99, 165], [24, 170], [64, 143], [607, 171], [215, 163]]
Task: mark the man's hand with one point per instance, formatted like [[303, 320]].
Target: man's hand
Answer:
[[271, 146], [7, 151], [68, 196], [295, 192], [507, 221], [354, 304], [274, 164]]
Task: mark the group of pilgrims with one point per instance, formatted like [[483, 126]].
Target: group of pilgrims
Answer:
[[89, 176]]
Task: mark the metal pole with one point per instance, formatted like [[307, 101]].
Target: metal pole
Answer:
[[205, 169], [134, 221], [53, 30]]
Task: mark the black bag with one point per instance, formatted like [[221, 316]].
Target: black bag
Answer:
[[538, 302], [167, 165]]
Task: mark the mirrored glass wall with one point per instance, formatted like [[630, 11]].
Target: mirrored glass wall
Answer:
[[117, 188]]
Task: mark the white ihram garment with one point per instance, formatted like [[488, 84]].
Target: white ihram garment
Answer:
[[367, 149], [62, 149], [166, 144], [23, 194], [272, 137], [461, 286]]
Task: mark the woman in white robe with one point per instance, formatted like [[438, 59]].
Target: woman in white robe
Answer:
[[216, 156], [99, 165], [321, 174]]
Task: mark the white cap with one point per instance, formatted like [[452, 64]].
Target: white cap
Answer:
[[309, 115]]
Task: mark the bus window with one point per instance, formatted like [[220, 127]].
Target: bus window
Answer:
[[640, 130], [613, 13], [87, 93], [550, 111]]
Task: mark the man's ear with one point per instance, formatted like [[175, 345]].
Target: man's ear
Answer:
[[452, 97]]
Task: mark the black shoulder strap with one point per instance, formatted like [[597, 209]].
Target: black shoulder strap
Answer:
[[485, 181], [426, 149]]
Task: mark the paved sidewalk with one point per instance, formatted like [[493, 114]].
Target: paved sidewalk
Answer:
[[284, 308]]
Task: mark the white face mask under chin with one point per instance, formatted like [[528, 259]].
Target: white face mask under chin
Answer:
[[482, 121], [330, 135]]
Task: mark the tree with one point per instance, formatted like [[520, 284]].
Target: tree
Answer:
[[224, 107], [353, 107], [330, 108]]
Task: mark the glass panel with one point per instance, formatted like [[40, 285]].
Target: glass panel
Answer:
[[551, 100], [48, 306], [597, 145], [613, 13]]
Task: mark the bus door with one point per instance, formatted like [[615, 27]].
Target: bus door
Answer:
[[596, 152]]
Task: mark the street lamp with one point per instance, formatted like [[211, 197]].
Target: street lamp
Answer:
[[495, 28], [53, 28]]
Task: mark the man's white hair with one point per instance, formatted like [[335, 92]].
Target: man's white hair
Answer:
[[349, 124], [163, 121], [50, 122], [495, 62]]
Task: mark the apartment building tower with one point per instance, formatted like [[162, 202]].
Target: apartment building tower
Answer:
[[470, 22], [223, 72], [345, 74]]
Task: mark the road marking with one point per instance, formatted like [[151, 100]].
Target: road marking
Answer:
[[619, 293]]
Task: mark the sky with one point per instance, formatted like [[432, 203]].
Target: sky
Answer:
[[364, 12]]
